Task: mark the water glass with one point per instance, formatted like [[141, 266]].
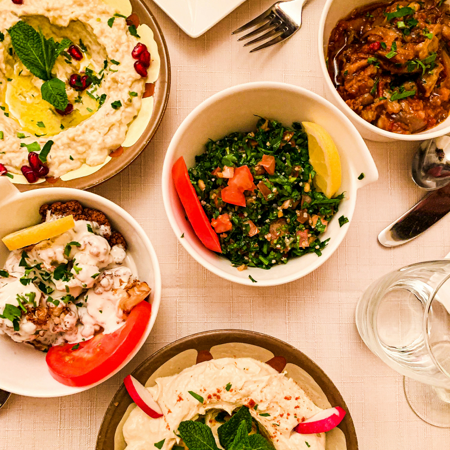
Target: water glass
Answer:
[[404, 318]]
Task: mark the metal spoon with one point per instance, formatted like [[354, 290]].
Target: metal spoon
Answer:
[[431, 164], [430, 171]]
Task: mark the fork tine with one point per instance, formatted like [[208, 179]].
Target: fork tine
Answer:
[[255, 21], [278, 39], [265, 36], [270, 24]]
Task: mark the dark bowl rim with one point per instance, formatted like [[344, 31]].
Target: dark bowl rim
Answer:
[[218, 337]]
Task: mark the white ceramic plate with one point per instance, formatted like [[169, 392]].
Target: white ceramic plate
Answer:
[[23, 369], [196, 17]]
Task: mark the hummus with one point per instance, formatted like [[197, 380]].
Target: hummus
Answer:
[[71, 287], [101, 113], [275, 401]]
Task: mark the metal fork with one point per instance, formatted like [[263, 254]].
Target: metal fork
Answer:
[[279, 22]]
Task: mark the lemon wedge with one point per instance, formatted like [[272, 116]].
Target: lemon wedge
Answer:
[[38, 233], [324, 157]]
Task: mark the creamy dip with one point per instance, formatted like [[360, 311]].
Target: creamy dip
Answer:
[[67, 288], [275, 401], [102, 113]]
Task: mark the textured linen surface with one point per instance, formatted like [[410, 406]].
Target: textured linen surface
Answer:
[[316, 314]]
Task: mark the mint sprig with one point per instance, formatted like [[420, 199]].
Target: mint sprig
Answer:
[[38, 54], [197, 436], [227, 432]]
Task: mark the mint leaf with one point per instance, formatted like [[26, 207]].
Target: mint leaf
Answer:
[[54, 92], [197, 436], [227, 432], [37, 53], [240, 441], [45, 151], [259, 442], [133, 31]]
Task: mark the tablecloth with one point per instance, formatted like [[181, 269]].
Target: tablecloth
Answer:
[[316, 313]]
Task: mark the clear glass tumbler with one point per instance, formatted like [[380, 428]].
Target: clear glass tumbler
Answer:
[[404, 318]]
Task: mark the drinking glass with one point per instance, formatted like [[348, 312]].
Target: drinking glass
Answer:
[[404, 318]]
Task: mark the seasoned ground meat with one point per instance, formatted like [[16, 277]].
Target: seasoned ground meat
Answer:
[[79, 212], [390, 63]]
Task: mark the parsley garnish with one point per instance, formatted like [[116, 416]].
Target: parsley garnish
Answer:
[[116, 105], [45, 151], [361, 176], [228, 387], [197, 397], [265, 415], [69, 246], [343, 220], [133, 31], [4, 274], [401, 12], [13, 314], [374, 61], [393, 51], [399, 95], [33, 147], [95, 275], [75, 347], [111, 22], [253, 280], [160, 444]]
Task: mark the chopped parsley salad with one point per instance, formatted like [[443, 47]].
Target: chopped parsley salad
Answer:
[[255, 197]]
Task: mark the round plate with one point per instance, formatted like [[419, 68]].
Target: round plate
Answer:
[[161, 97], [205, 341]]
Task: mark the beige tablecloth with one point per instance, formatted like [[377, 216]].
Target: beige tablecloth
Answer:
[[316, 314]]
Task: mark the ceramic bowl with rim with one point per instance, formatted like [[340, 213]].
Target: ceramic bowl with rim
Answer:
[[200, 347], [24, 370], [139, 140], [334, 11], [235, 109]]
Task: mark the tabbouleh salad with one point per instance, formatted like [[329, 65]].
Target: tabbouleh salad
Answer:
[[268, 174]]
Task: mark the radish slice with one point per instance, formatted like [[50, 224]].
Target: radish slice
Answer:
[[142, 397], [322, 422]]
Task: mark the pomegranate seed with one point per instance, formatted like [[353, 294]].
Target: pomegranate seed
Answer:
[[67, 111], [18, 2], [144, 58], [42, 171], [138, 50], [3, 170], [29, 174], [140, 69], [78, 82], [375, 46], [75, 52], [35, 162]]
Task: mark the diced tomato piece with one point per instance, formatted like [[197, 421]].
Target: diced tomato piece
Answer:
[[234, 196], [303, 238], [265, 191], [90, 361], [217, 173], [222, 224], [228, 172], [243, 179], [194, 210], [268, 162], [253, 228]]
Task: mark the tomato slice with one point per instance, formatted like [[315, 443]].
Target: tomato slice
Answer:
[[194, 210], [222, 224], [233, 195], [90, 361], [242, 179]]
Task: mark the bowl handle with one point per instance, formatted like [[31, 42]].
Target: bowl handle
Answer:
[[7, 190], [365, 165]]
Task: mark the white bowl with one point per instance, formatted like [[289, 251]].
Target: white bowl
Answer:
[[334, 11], [23, 369], [234, 109]]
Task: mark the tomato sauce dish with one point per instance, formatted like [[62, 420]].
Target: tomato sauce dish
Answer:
[[264, 176], [72, 292]]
